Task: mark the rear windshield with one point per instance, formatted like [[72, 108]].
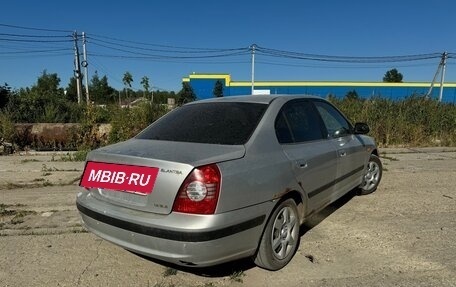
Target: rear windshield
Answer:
[[212, 123]]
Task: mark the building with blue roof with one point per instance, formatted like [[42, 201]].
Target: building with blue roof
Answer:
[[203, 86]]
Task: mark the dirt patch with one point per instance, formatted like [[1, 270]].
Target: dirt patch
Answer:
[[402, 235]]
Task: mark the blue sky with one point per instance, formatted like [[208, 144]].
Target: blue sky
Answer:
[[336, 28]]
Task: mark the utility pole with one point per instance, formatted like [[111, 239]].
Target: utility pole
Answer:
[[77, 67], [85, 64], [253, 46], [442, 77], [440, 68]]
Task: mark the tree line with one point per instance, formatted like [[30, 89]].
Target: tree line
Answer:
[[46, 101], [414, 121]]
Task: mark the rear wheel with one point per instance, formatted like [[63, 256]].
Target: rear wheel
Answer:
[[280, 239], [372, 176]]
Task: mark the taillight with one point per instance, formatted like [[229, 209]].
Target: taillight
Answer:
[[200, 191]]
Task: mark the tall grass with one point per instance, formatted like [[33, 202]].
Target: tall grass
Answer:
[[128, 122], [124, 124], [414, 121]]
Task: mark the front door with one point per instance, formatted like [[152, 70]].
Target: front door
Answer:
[[312, 155], [350, 151]]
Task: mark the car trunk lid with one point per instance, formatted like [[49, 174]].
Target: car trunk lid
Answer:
[[147, 174]]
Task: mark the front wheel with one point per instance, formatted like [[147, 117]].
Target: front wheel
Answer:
[[280, 239], [372, 176]]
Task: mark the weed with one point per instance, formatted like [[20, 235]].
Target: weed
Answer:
[[79, 155], [35, 232], [311, 258], [6, 212], [11, 185], [48, 183], [414, 121], [20, 215], [384, 156], [74, 180], [2, 205], [35, 184], [66, 157], [45, 168], [163, 284], [79, 231], [169, 271], [236, 276], [29, 160], [24, 228]]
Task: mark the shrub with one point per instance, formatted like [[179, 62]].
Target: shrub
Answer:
[[6, 126], [128, 122], [414, 121]]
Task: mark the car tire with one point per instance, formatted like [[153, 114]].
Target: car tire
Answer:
[[280, 238], [372, 176]]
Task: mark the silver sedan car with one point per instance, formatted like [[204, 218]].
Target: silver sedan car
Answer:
[[226, 178]]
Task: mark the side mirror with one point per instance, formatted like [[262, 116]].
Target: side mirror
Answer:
[[361, 128]]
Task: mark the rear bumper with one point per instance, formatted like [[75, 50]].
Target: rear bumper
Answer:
[[190, 240]]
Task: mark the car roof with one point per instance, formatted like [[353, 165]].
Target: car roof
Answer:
[[261, 99]]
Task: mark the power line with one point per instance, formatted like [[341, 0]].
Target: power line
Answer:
[[163, 46], [340, 66], [102, 68], [51, 44], [169, 52], [34, 51], [141, 55], [33, 36], [344, 59], [205, 61], [34, 28], [34, 41], [186, 51]]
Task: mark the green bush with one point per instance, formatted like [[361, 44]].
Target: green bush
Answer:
[[128, 122], [6, 126], [414, 121], [86, 136]]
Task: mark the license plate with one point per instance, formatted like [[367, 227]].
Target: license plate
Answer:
[[120, 177]]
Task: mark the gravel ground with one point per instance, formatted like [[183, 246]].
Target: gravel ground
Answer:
[[402, 235]]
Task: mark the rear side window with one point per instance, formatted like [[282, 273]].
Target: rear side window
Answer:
[[212, 123], [298, 121]]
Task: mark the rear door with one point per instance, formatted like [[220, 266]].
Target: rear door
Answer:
[[313, 157], [350, 150]]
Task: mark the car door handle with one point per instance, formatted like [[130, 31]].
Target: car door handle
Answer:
[[342, 153], [301, 163]]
